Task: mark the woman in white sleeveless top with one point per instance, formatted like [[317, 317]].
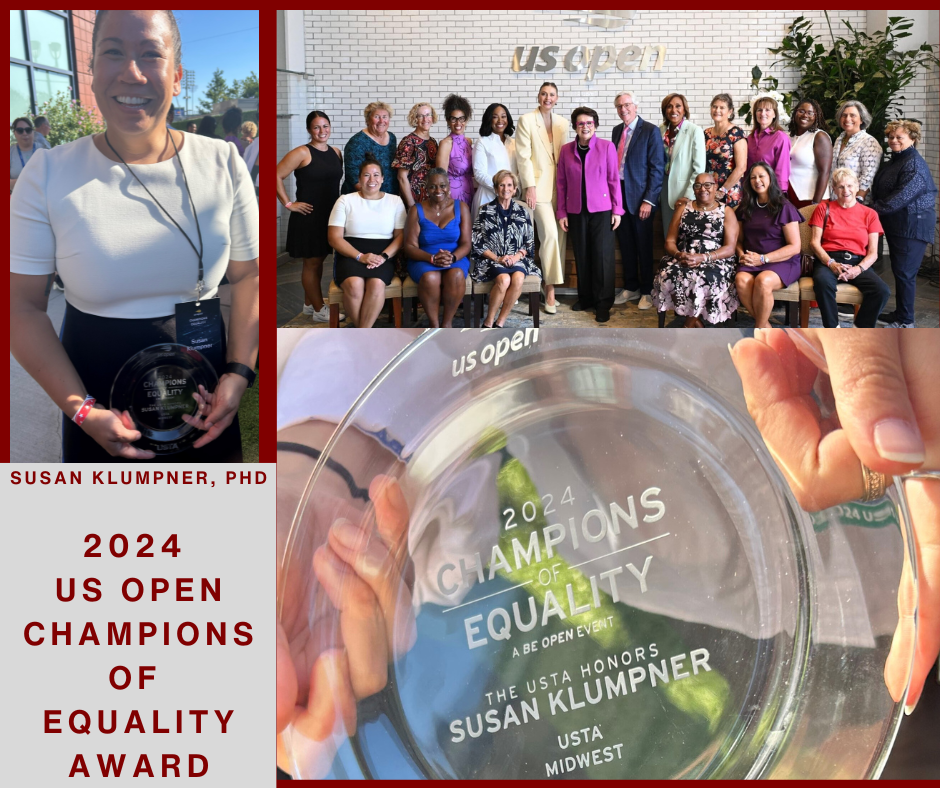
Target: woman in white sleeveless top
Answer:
[[810, 155]]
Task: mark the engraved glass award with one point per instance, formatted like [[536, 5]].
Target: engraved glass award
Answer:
[[156, 387], [601, 573]]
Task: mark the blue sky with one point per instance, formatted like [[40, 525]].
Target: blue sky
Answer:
[[218, 39]]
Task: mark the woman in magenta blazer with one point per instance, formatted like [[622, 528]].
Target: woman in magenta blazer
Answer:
[[589, 210]]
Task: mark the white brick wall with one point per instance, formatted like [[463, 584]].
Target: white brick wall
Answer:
[[402, 57]]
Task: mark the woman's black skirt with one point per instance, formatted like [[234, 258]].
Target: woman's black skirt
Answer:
[[345, 267], [98, 348]]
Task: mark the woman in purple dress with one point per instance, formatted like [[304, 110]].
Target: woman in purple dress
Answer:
[[768, 244], [455, 153]]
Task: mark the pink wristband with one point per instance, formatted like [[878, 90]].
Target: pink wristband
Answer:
[[83, 411]]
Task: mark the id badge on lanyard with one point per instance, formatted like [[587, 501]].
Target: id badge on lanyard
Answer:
[[199, 327], [198, 323]]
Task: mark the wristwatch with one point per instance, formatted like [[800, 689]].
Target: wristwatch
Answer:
[[246, 372], [385, 256]]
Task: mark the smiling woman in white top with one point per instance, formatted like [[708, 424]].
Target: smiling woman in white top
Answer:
[[855, 149], [810, 155], [494, 152], [365, 230], [128, 219]]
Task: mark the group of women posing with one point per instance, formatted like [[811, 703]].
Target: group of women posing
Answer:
[[729, 201]]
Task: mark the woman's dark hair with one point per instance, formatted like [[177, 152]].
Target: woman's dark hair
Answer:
[[584, 111], [438, 171], [232, 120], [206, 126], [25, 120], [486, 126], [174, 30], [685, 105], [820, 120], [749, 196], [370, 159], [311, 117], [552, 84], [455, 102]]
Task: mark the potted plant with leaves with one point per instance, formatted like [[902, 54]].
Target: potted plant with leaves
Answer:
[[868, 68]]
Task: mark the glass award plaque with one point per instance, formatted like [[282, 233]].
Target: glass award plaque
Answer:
[[596, 570], [156, 387]]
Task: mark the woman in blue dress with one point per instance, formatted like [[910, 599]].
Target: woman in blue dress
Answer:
[[437, 240]]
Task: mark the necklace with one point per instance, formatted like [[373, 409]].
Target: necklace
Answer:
[[762, 206], [584, 147]]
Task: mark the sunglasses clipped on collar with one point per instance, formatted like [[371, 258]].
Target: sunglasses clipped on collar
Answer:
[[24, 129]]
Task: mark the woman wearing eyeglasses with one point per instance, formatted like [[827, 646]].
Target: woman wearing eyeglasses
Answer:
[[140, 222], [696, 278], [455, 153], [23, 150], [590, 205]]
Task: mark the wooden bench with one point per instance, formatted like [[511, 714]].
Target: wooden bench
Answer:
[[409, 300], [392, 293], [530, 287]]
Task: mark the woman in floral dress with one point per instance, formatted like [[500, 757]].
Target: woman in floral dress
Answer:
[[416, 155], [726, 151], [696, 277]]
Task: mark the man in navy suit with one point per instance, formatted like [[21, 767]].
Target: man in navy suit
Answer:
[[642, 163]]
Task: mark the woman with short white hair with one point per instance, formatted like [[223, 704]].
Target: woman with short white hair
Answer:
[[845, 242], [856, 149]]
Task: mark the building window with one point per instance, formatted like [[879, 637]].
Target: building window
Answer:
[[42, 60]]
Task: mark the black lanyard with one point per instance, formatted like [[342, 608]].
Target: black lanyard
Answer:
[[200, 284]]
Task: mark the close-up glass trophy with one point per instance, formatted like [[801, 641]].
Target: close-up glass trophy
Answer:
[[593, 569], [156, 387]]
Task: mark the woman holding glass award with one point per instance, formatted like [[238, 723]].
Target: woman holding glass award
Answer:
[[141, 223]]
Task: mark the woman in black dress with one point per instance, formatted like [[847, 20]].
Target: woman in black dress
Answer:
[[318, 169]]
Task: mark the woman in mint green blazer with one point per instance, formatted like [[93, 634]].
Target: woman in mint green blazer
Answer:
[[684, 143]]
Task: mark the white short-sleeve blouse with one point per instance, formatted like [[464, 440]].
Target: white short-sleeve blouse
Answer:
[[362, 218], [76, 212]]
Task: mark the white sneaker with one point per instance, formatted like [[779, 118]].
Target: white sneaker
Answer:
[[309, 310], [323, 316], [645, 302], [626, 295]]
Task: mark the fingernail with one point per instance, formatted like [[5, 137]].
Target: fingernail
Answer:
[[348, 535], [731, 350], [808, 349], [899, 441], [909, 708]]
